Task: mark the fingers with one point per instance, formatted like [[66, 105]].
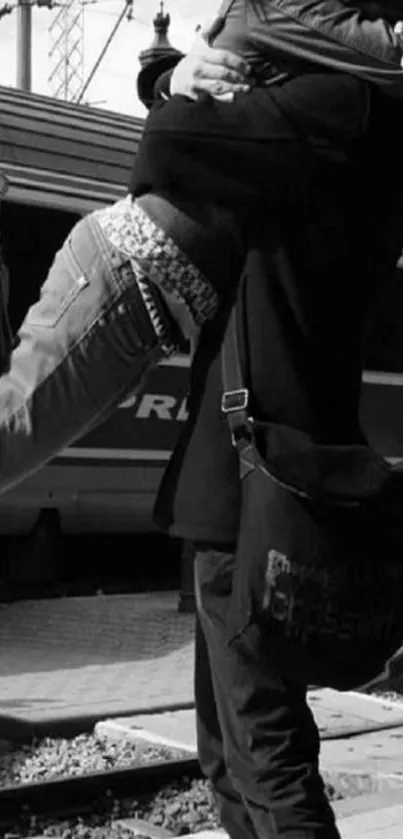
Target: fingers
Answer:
[[398, 30], [211, 55], [229, 60], [224, 97], [208, 80], [220, 90], [191, 79], [219, 73]]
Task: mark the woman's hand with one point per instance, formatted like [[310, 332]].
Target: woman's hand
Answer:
[[219, 73], [399, 32]]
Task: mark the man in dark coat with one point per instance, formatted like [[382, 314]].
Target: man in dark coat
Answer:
[[303, 311]]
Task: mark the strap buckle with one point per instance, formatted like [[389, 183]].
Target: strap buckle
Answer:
[[235, 400]]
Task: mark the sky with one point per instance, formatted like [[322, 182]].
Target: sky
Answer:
[[113, 86]]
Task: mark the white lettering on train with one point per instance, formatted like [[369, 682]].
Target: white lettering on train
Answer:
[[154, 403], [182, 414], [158, 405]]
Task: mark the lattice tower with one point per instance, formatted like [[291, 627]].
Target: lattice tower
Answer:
[[67, 50]]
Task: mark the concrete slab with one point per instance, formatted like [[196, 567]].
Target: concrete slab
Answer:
[[338, 715], [385, 823], [344, 714], [346, 807], [352, 784], [208, 834], [377, 753], [142, 828], [376, 824], [176, 729], [355, 765]]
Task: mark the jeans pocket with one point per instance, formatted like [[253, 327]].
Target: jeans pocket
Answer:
[[64, 283], [239, 616]]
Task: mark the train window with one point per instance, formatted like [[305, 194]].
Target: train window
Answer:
[[30, 238]]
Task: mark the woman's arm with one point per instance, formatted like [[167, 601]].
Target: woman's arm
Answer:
[[328, 32], [331, 33], [204, 70]]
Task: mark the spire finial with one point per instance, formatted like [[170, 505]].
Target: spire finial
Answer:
[[160, 45], [162, 21]]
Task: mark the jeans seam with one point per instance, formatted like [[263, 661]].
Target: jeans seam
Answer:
[[69, 352], [109, 404], [97, 419], [108, 249]]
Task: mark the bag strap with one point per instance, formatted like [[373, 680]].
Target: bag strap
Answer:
[[220, 20], [235, 398], [225, 8]]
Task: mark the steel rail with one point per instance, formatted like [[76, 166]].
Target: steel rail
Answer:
[[81, 794]]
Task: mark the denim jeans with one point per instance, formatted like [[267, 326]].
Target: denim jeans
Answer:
[[81, 349], [258, 742]]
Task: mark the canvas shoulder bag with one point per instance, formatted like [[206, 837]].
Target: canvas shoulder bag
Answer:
[[318, 580]]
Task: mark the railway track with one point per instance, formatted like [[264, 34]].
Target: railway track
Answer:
[[128, 793], [88, 793]]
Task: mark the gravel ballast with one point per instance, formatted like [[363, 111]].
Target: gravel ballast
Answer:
[[181, 808], [51, 758]]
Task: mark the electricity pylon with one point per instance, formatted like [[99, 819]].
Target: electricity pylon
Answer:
[[67, 50]]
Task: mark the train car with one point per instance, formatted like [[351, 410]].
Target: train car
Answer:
[[60, 161]]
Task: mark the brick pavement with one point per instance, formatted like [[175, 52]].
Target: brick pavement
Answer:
[[97, 656], [121, 654], [115, 655]]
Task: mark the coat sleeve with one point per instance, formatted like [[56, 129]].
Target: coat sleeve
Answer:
[[162, 85], [333, 34], [154, 79]]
